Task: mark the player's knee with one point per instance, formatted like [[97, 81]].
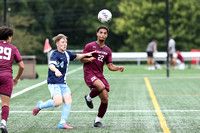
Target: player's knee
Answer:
[[104, 100], [57, 103], [68, 101], [67, 98], [101, 88]]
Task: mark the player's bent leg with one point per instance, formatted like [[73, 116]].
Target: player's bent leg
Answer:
[[58, 100], [99, 85], [98, 88]]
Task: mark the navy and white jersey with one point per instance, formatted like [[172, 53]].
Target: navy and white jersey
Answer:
[[61, 62]]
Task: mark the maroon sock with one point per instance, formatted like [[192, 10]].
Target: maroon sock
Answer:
[[5, 112], [94, 92], [102, 109]]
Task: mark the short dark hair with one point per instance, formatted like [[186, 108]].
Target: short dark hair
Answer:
[[102, 27], [5, 32]]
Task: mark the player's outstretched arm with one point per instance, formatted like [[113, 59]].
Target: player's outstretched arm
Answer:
[[80, 56], [87, 59], [20, 70], [54, 69], [112, 67]]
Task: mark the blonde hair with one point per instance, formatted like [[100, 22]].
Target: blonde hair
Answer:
[[58, 37]]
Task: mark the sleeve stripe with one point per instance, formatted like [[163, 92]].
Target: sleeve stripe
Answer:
[[18, 61], [108, 62], [53, 62]]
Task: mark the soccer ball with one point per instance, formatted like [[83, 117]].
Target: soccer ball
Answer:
[[104, 16]]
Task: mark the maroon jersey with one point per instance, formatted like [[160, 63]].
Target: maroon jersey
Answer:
[[180, 57], [8, 53], [103, 55]]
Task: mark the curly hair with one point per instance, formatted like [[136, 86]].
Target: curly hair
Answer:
[[6, 32]]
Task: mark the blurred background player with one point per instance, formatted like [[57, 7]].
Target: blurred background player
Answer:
[[172, 51], [180, 61], [8, 53], [151, 50], [93, 72], [60, 92]]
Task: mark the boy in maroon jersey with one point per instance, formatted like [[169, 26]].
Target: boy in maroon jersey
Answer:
[[93, 72], [8, 53]]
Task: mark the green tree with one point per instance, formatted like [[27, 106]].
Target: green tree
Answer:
[[134, 23], [27, 43], [89, 21], [184, 23], [143, 21]]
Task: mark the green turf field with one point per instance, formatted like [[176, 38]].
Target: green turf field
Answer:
[[130, 108]]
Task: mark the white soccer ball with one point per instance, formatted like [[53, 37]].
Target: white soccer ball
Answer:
[[104, 16]]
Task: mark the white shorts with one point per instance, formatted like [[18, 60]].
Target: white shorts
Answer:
[[56, 89]]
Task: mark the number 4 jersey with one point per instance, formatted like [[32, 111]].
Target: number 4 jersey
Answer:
[[102, 55], [8, 53]]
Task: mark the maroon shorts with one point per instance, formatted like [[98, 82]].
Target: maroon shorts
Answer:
[[6, 85], [91, 78]]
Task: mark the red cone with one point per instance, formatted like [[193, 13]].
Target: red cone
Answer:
[[47, 46]]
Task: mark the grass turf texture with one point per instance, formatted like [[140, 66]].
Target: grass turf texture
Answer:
[[130, 107]]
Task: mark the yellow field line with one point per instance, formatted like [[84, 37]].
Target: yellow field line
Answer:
[[157, 108]]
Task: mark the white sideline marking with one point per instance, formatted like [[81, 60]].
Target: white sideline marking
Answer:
[[29, 88], [111, 111], [39, 84]]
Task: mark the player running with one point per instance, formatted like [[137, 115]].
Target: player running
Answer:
[[8, 53], [60, 92], [93, 72]]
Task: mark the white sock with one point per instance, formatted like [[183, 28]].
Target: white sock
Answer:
[[98, 119], [88, 98], [3, 121]]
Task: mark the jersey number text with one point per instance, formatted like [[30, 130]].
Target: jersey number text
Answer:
[[100, 58], [6, 51]]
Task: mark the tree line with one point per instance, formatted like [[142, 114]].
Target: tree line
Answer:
[[134, 24]]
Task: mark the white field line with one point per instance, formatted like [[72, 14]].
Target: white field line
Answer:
[[28, 89], [111, 111], [39, 84]]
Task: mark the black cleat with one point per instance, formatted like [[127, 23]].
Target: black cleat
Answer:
[[3, 128], [89, 103], [98, 124]]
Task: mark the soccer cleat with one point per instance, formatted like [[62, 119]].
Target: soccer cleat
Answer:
[[98, 124], [64, 126], [36, 109], [3, 128], [89, 103]]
